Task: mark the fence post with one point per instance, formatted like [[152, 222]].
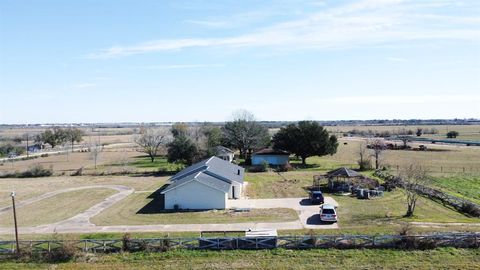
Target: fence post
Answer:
[[373, 241], [463, 169]]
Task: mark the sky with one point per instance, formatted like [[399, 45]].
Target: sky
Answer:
[[198, 60]]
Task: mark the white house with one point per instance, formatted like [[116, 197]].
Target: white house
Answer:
[[208, 184], [271, 157], [224, 153]]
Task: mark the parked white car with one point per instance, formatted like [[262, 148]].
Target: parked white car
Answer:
[[328, 213]]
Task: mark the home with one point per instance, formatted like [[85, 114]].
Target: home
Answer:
[[224, 153], [271, 157], [208, 184]]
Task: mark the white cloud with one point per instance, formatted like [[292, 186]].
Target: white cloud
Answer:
[[365, 23], [84, 85], [397, 59], [183, 66]]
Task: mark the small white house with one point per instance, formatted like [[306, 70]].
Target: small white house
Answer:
[[271, 157], [208, 184], [224, 153]]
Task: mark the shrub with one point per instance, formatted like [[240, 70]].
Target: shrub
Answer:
[[470, 209], [36, 170], [65, 252], [452, 134], [79, 172], [285, 168]]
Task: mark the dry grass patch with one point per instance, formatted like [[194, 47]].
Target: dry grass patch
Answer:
[[56, 208]]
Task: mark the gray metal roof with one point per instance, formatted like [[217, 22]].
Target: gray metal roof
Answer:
[[203, 178], [215, 166], [343, 172]]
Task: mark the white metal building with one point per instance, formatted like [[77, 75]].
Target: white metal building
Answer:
[[208, 184]]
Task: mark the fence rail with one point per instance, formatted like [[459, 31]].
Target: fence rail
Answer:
[[463, 240]]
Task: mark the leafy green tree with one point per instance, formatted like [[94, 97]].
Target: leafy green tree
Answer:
[[246, 134], [305, 139], [54, 137], [182, 149], [74, 135], [213, 138], [179, 129], [452, 134]]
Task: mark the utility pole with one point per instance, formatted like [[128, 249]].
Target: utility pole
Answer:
[[15, 221]]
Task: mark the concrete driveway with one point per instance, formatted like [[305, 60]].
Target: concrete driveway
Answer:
[[308, 214]]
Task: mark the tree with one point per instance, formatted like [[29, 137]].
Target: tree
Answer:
[[54, 137], [419, 132], [245, 134], [213, 138], [179, 129], [182, 150], [364, 161], [95, 149], [150, 141], [452, 134], [74, 135], [412, 178], [404, 140], [378, 146], [305, 139]]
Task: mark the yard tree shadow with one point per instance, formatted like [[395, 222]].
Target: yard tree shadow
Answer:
[[157, 204]]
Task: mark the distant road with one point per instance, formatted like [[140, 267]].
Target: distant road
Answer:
[[58, 152]]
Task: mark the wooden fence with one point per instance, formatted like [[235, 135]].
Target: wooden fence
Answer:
[[463, 240]]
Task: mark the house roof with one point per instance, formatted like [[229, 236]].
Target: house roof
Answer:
[[203, 178], [216, 167], [223, 150], [269, 151], [343, 172]]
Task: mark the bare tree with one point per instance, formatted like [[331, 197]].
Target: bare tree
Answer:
[[378, 146], [95, 149], [412, 178], [150, 141], [405, 140], [364, 161]]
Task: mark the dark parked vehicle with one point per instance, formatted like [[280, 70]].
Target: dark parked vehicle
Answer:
[[316, 197]]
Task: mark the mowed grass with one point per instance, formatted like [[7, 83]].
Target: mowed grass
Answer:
[[30, 187], [160, 163], [441, 258], [126, 212], [56, 208], [463, 186]]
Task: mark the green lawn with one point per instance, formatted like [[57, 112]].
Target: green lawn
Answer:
[[127, 211], [463, 186], [160, 163], [442, 258]]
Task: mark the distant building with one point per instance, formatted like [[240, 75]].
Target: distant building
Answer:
[[34, 148], [208, 184], [271, 157], [224, 153]]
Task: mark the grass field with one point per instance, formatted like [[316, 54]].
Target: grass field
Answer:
[[139, 209], [56, 208], [442, 258], [463, 186], [31, 187]]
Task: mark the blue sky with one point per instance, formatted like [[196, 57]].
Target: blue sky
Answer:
[[120, 61]]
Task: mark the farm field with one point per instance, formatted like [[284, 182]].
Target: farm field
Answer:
[[463, 186], [466, 132], [273, 259]]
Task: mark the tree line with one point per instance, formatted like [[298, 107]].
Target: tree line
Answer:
[[188, 144]]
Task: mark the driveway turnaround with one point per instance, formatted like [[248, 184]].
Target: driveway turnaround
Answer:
[[308, 213]]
